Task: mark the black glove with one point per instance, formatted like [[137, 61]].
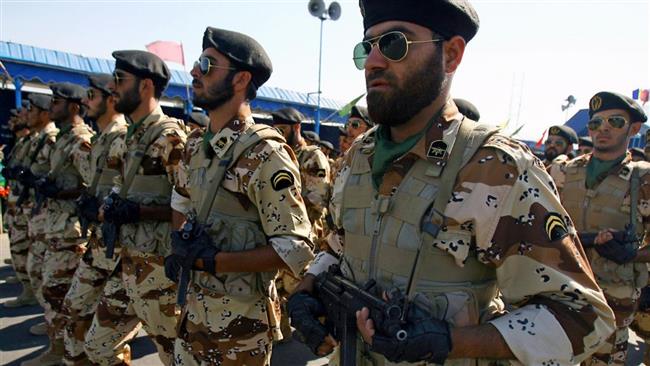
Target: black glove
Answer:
[[122, 211], [428, 339], [304, 310], [644, 300], [25, 176], [173, 266], [88, 207], [619, 251], [47, 187]]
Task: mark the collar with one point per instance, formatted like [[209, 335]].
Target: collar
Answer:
[[145, 122], [221, 141]]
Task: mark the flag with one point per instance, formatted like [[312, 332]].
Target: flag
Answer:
[[540, 141], [643, 96], [168, 51], [635, 93], [348, 107]]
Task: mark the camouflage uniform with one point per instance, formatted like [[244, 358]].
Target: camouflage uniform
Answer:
[[607, 206], [62, 231], [504, 232], [231, 318], [36, 224], [316, 180], [152, 297], [94, 269], [555, 170], [15, 218]]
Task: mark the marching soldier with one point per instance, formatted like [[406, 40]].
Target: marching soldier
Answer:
[[137, 214], [606, 194], [558, 149], [95, 270], [443, 215], [585, 145], [246, 219]]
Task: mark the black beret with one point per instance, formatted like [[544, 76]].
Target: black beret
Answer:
[[68, 91], [311, 135], [13, 112], [466, 108], [100, 81], [242, 50], [609, 100], [445, 17], [635, 151], [200, 119], [142, 64], [327, 144], [585, 141], [24, 103], [41, 101], [361, 112], [287, 116], [564, 131]]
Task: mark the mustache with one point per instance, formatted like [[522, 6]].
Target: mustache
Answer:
[[380, 74], [196, 82]]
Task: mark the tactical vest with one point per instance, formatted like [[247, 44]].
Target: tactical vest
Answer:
[[147, 236], [382, 236], [232, 227], [595, 209]]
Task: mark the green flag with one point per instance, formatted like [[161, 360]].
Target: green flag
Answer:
[[348, 107]]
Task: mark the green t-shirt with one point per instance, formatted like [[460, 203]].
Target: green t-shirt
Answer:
[[597, 170]]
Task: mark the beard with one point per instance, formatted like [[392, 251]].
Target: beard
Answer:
[[128, 102], [96, 113], [215, 95], [550, 154], [617, 143], [418, 90]]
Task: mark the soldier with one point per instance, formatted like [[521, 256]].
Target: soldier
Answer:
[[599, 190], [198, 120], [637, 154], [246, 217], [37, 163], [94, 269], [61, 186], [15, 219], [558, 149], [358, 122], [314, 167], [496, 227], [137, 214], [311, 138], [585, 145]]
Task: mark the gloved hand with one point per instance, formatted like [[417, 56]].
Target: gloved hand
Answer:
[[644, 300], [173, 266], [428, 339], [619, 251], [304, 310], [25, 176], [88, 207], [122, 211], [47, 187]]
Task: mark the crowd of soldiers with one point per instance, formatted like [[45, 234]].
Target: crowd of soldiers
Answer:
[[430, 238]]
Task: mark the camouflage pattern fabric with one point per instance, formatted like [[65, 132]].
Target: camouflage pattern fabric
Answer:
[[504, 213], [226, 329], [555, 169], [315, 176]]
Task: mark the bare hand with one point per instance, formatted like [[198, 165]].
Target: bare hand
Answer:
[[365, 325], [604, 236], [100, 214], [328, 346]]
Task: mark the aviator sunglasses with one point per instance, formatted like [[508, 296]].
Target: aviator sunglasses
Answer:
[[204, 64], [614, 121], [394, 46]]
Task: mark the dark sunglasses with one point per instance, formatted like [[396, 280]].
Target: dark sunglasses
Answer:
[[354, 123], [394, 46], [204, 64], [614, 121], [559, 143], [118, 78], [91, 94]]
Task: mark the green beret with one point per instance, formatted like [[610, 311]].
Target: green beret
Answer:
[[467, 109], [287, 116], [447, 18], [564, 131], [243, 51], [585, 141], [635, 151], [311, 136], [68, 91], [361, 112], [100, 82], [41, 101], [608, 100], [142, 64], [200, 119]]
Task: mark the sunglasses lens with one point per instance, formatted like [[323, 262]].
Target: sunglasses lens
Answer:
[[91, 94], [594, 124], [393, 46], [616, 121], [360, 54]]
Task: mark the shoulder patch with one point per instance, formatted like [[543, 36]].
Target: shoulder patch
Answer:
[[555, 226], [282, 179]]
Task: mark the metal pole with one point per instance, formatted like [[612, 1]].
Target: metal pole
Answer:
[[320, 60]]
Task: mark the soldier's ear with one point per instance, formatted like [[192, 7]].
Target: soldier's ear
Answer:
[[241, 80], [635, 128]]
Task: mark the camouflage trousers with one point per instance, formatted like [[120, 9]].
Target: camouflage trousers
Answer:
[[80, 304], [153, 298], [222, 330], [35, 258], [614, 350], [641, 327], [19, 250], [59, 267], [113, 325]]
